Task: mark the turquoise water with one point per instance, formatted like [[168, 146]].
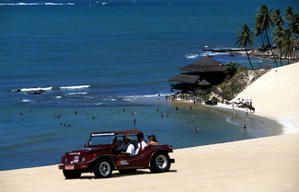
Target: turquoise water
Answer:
[[125, 52]]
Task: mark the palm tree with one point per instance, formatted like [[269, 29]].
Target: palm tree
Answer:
[[278, 38], [289, 13], [288, 44], [276, 18], [263, 23], [293, 22], [259, 32], [245, 40]]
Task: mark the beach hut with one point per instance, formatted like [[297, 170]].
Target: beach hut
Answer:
[[205, 65], [185, 82], [208, 69]]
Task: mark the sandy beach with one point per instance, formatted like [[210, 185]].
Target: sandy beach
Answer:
[[275, 95], [265, 164]]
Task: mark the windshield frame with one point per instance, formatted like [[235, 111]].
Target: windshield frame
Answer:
[[95, 135]]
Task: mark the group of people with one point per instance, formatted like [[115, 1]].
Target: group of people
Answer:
[[134, 147]]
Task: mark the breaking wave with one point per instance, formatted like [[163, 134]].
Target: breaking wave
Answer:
[[135, 97], [35, 89], [26, 100], [210, 53], [75, 87], [78, 93], [37, 4], [191, 56]]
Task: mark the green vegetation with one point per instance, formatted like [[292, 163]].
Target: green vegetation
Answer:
[[232, 68], [271, 23], [245, 39], [239, 81]]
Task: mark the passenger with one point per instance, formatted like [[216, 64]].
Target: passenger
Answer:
[[130, 149], [141, 143], [152, 140]]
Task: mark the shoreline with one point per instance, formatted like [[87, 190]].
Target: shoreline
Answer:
[[275, 108]]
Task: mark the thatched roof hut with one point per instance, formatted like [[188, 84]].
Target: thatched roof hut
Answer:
[[185, 78], [206, 64]]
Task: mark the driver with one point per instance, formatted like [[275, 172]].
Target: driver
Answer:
[[127, 147]]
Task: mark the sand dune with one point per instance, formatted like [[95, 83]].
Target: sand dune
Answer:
[[276, 95], [264, 164]]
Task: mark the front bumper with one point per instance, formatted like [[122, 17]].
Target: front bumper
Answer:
[[73, 166]]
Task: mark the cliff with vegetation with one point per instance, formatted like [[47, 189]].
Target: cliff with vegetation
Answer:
[[235, 83]]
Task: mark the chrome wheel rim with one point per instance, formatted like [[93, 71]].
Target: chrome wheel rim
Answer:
[[105, 168], [161, 161]]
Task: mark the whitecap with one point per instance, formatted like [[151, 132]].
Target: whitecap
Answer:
[[75, 87], [57, 4], [148, 96], [210, 53], [35, 89], [26, 100], [191, 56], [58, 97], [99, 103], [134, 97], [78, 93], [36, 4], [19, 4]]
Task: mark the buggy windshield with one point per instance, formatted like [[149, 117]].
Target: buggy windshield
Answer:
[[101, 139]]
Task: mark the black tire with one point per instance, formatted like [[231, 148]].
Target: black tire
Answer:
[[71, 174], [127, 171], [160, 163], [103, 169]]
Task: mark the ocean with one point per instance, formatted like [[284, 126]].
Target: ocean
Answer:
[[103, 63]]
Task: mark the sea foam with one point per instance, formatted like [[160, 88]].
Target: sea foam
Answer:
[[77, 93], [134, 97], [37, 4], [36, 89], [191, 56], [26, 100], [75, 87], [289, 125], [210, 53]]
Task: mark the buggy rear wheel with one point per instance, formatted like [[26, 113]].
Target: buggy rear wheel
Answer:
[[160, 163]]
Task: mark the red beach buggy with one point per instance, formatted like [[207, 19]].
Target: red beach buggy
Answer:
[[99, 156]]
